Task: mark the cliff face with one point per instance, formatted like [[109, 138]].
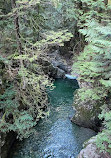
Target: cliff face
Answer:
[[86, 111], [7, 141], [86, 115], [55, 64]]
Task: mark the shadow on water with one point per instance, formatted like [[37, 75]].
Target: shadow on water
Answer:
[[56, 136]]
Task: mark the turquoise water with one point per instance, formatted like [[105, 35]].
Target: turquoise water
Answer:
[[56, 136]]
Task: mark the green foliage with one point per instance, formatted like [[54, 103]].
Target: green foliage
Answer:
[[25, 35], [22, 108], [92, 94], [14, 119], [62, 15], [23, 103], [52, 38], [94, 62], [8, 102], [103, 139]]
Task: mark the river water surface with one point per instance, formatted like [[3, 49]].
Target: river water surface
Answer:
[[56, 136]]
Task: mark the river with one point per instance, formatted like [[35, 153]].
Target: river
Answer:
[[55, 136]]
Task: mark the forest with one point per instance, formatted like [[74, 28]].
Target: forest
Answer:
[[32, 32]]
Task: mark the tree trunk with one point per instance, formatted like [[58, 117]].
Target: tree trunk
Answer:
[[38, 8], [19, 45], [17, 28]]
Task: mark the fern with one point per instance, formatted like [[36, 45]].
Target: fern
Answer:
[[94, 63]]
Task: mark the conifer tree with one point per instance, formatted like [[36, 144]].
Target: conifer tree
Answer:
[[23, 100], [94, 62]]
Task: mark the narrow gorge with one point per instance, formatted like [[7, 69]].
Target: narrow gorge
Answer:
[[55, 79]]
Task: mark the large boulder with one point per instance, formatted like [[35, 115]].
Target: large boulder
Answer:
[[86, 111], [90, 150]]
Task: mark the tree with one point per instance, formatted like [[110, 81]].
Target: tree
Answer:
[[23, 38], [94, 62]]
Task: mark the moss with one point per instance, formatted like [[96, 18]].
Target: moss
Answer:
[[87, 112]]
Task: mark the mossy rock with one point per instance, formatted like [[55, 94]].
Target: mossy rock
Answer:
[[86, 112]]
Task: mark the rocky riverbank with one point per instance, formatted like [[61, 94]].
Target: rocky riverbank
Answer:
[[56, 65], [90, 150], [86, 111], [87, 114]]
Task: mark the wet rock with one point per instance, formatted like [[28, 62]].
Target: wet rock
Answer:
[[90, 150], [7, 141], [60, 73], [53, 64], [63, 67]]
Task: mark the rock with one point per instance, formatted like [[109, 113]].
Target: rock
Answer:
[[0, 81], [54, 65], [63, 67], [86, 111], [60, 65], [90, 150], [60, 73], [7, 141]]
